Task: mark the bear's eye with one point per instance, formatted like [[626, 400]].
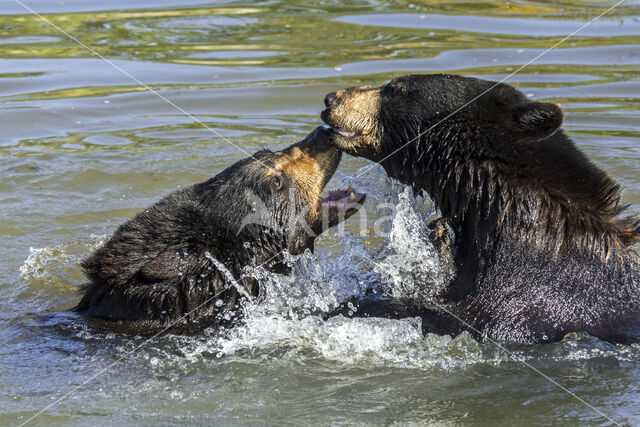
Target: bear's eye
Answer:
[[278, 182]]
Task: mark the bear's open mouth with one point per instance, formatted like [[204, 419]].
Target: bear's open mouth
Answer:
[[338, 205], [342, 198]]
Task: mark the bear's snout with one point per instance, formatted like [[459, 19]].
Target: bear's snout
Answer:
[[330, 99], [318, 141]]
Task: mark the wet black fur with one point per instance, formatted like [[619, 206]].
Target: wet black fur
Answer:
[[542, 241], [154, 269]]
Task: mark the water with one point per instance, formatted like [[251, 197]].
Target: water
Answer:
[[84, 147]]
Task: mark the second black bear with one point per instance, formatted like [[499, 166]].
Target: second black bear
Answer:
[[180, 262], [542, 245]]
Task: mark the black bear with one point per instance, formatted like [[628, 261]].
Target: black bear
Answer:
[[542, 245], [180, 262]]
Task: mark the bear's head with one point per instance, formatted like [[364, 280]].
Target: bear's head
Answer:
[[277, 197], [486, 154], [376, 121]]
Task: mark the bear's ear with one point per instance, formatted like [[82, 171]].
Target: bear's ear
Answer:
[[538, 119]]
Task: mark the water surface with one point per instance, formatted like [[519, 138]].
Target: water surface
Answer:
[[85, 147]]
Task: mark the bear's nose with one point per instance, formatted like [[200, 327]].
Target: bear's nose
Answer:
[[330, 99]]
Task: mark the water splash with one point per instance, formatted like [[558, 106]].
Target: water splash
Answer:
[[227, 275], [317, 283], [286, 318], [44, 263], [411, 266], [37, 264]]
